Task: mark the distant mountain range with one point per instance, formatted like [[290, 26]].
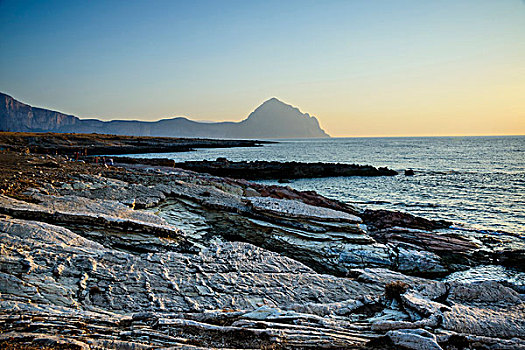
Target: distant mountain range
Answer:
[[272, 119]]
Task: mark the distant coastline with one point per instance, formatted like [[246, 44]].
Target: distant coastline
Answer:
[[272, 119]]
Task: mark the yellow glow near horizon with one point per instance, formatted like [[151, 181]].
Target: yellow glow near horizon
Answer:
[[446, 100]]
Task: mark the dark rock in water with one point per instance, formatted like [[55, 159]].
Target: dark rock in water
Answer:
[[284, 181], [281, 170], [409, 172]]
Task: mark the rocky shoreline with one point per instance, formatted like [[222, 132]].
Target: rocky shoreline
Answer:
[[257, 170], [102, 144], [146, 256]]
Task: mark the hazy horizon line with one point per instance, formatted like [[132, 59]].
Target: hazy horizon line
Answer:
[[406, 136]]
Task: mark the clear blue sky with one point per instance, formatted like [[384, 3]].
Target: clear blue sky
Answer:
[[362, 67]]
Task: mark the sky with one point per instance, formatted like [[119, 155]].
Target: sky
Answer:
[[363, 68]]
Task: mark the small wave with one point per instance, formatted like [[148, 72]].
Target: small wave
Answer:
[[444, 172], [376, 202], [417, 205], [424, 205]]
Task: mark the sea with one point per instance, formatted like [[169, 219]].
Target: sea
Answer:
[[477, 183]]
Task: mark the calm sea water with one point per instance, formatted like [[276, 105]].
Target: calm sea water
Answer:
[[478, 182]]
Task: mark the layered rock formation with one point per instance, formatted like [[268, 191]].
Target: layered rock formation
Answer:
[[273, 119], [148, 257]]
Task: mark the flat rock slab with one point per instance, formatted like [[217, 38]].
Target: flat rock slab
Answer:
[[85, 211], [297, 209]]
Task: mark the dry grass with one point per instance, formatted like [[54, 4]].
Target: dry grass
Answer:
[[393, 290]]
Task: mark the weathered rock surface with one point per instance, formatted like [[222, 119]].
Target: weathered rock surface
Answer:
[[83, 211], [295, 209], [48, 271], [226, 263], [418, 339]]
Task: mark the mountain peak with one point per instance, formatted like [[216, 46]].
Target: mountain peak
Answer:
[[274, 102], [275, 117], [273, 99]]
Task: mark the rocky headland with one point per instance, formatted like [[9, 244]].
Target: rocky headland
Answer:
[[146, 256]]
